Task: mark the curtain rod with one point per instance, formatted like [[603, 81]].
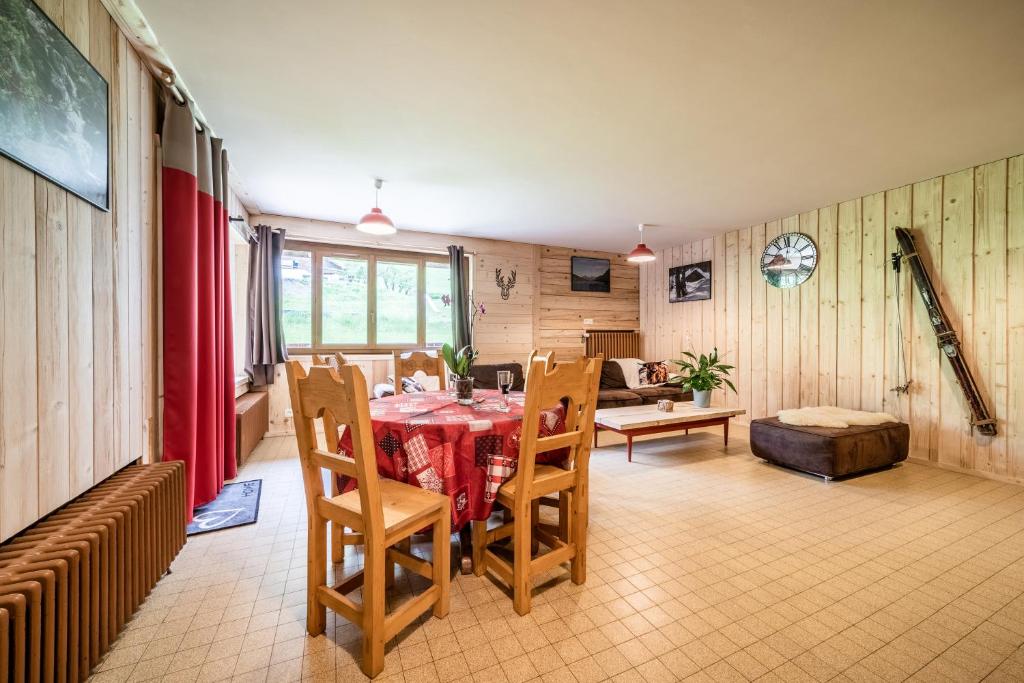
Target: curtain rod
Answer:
[[133, 25], [247, 230]]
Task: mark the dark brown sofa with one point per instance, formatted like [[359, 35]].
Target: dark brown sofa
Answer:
[[615, 394], [485, 376]]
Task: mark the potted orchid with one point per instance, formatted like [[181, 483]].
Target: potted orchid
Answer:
[[460, 362], [475, 309]]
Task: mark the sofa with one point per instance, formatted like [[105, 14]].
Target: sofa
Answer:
[[485, 376], [614, 393]]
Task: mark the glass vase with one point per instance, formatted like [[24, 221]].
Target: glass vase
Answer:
[[464, 390]]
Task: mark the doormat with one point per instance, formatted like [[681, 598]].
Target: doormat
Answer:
[[237, 504]]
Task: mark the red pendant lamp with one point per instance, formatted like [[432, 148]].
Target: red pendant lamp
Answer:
[[376, 222], [641, 253]]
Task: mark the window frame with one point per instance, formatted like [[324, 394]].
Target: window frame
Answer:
[[320, 250]]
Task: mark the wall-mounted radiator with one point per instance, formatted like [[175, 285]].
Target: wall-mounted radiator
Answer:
[[614, 343], [70, 582]]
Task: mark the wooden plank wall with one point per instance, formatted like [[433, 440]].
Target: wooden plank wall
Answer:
[[563, 314], [74, 332], [835, 339]]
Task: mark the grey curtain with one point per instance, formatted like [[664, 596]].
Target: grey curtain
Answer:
[[264, 332], [461, 334]]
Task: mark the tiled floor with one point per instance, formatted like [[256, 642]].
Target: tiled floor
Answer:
[[703, 563]]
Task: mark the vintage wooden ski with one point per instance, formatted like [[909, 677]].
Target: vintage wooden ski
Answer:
[[948, 342]]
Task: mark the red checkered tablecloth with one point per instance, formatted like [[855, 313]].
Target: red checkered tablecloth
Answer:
[[428, 440]]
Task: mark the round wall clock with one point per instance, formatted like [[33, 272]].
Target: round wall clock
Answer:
[[789, 260]]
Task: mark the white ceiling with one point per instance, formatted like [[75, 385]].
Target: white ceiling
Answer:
[[567, 123]]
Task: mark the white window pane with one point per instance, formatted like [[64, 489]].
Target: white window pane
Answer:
[[345, 300], [239, 299], [297, 297], [439, 316], [396, 302]]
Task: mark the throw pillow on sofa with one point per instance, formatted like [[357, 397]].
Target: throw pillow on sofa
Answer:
[[653, 374]]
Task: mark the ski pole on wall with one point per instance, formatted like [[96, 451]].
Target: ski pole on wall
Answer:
[[948, 342]]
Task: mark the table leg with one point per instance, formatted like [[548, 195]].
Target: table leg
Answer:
[[466, 550], [725, 429], [596, 428], [629, 448]]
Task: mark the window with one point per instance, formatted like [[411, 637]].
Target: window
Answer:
[[438, 316], [345, 314], [239, 274], [348, 298], [397, 312], [297, 297]]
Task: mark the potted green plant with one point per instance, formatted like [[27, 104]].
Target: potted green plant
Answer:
[[460, 363], [702, 375]]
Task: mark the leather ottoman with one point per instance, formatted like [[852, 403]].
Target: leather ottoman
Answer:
[[829, 452]]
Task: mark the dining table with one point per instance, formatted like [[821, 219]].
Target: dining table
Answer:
[[428, 439]]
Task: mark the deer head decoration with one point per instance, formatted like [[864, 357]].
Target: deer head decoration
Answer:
[[504, 284]]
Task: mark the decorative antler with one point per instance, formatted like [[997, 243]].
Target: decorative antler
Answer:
[[504, 284]]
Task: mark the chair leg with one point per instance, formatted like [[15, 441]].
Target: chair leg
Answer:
[[564, 511], [404, 545], [441, 561], [373, 610], [337, 545], [534, 521], [578, 532], [337, 530], [316, 576], [479, 546], [522, 533]]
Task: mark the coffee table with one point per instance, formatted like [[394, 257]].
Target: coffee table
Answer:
[[640, 420]]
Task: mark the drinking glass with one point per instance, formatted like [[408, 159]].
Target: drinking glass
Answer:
[[505, 384]]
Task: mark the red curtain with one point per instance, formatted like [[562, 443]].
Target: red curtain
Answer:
[[198, 362]]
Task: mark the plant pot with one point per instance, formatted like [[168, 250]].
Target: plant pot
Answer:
[[464, 390], [702, 399]]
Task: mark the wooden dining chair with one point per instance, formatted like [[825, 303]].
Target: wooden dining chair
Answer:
[[409, 362], [386, 512], [575, 385], [535, 355], [335, 360], [561, 501], [547, 358], [340, 537]]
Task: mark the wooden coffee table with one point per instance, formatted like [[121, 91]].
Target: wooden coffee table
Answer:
[[641, 420]]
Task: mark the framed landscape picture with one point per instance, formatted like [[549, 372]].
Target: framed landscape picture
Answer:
[[591, 274], [689, 283], [53, 104]]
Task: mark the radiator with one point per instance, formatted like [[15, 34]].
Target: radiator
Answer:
[[614, 344], [69, 583]]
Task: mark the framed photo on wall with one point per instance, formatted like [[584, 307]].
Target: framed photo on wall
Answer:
[[590, 274], [689, 283], [53, 104]]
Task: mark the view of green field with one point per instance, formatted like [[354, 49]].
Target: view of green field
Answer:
[[345, 301]]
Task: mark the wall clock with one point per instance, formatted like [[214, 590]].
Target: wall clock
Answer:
[[788, 260]]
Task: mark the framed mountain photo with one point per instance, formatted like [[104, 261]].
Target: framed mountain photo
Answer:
[[53, 104], [591, 274], [689, 283]]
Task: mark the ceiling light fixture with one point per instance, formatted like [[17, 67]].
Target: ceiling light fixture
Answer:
[[375, 222], [641, 253]]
